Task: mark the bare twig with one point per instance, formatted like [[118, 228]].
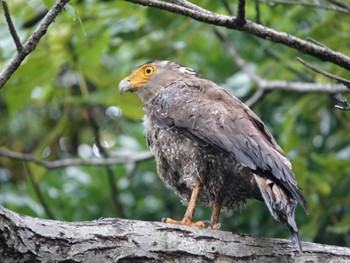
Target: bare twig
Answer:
[[39, 14], [12, 28], [37, 191], [265, 85], [115, 159], [258, 95], [323, 72], [241, 13], [31, 43], [316, 42], [110, 175], [341, 4], [257, 11], [306, 4], [252, 28], [189, 5]]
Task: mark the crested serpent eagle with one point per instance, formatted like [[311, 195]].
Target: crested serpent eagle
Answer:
[[210, 148]]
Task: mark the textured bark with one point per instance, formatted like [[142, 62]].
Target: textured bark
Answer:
[[27, 239]]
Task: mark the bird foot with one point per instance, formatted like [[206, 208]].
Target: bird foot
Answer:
[[184, 222], [215, 227], [211, 225]]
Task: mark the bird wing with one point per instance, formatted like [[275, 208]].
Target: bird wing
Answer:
[[204, 112]]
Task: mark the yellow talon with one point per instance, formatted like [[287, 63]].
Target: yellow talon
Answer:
[[184, 222]]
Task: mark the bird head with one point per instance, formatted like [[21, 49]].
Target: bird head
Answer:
[[149, 79]]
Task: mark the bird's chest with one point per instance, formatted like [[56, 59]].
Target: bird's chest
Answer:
[[182, 154]]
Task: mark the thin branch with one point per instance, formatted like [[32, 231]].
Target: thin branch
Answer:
[[110, 175], [12, 28], [37, 191], [189, 5], [323, 72], [252, 28], [341, 4], [306, 4], [115, 159], [257, 11], [258, 95], [303, 86], [31, 43], [241, 13], [266, 85], [39, 14], [316, 42]]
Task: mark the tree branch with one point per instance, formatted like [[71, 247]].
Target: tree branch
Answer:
[[306, 4], [115, 159], [12, 28], [323, 72], [241, 13], [38, 192], [252, 28], [341, 4], [27, 239], [110, 175], [276, 84], [31, 43]]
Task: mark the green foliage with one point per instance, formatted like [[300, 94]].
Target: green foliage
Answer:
[[64, 97]]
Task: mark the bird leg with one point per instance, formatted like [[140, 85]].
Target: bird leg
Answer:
[[188, 217], [216, 214]]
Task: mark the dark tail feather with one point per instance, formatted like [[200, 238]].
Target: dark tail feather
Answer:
[[295, 239], [281, 206], [293, 225]]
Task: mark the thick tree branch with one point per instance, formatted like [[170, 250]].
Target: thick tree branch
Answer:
[[31, 43], [27, 239], [252, 28], [115, 159]]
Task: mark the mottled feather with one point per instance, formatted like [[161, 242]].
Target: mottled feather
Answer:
[[194, 127]]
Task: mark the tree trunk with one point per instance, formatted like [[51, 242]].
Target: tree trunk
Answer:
[[28, 239]]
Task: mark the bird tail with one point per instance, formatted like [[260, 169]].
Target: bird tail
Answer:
[[295, 239], [281, 207]]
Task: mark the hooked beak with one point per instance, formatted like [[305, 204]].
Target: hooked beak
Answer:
[[124, 86]]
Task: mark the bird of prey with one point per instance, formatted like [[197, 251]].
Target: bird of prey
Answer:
[[211, 148]]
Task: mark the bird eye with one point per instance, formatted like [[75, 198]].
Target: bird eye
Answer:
[[148, 71]]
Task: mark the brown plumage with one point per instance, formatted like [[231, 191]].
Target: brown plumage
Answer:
[[209, 147]]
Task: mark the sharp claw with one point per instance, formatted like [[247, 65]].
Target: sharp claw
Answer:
[[207, 222], [216, 226], [211, 226]]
